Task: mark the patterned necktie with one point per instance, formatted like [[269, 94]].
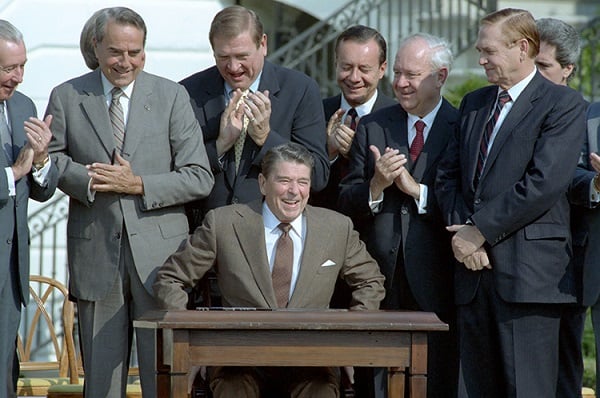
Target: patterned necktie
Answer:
[[353, 116], [282, 266], [503, 98], [239, 143], [418, 142], [5, 137], [117, 118]]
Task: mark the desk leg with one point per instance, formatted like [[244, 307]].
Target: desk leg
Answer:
[[418, 366], [181, 364], [163, 380], [396, 377]]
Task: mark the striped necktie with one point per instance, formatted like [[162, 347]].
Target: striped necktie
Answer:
[[117, 118]]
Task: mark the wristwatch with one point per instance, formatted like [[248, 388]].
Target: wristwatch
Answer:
[[40, 165]]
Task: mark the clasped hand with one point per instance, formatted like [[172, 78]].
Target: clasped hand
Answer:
[[390, 168], [339, 135], [116, 177], [467, 245], [256, 107]]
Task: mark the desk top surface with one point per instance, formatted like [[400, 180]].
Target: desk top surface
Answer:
[[293, 320]]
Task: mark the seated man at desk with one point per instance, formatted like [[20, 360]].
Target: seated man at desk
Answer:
[[275, 253]]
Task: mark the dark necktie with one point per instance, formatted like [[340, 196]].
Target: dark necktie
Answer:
[[282, 266], [418, 142], [353, 116], [5, 137], [503, 98], [117, 118]]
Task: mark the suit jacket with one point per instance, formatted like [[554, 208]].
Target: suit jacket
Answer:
[[398, 230], [13, 210], [585, 213], [520, 204], [232, 240], [163, 143], [296, 115], [328, 196]]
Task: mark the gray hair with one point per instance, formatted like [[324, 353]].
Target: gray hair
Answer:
[[441, 54], [564, 38], [288, 152], [122, 16], [9, 33], [86, 41]]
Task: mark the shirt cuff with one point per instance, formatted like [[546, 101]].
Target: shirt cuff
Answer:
[[10, 177], [91, 195], [40, 176], [422, 202], [375, 205]]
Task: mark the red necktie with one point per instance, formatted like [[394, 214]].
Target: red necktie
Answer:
[[417, 145], [353, 115], [282, 266], [503, 98]]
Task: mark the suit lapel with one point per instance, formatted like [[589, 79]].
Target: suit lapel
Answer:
[[310, 263], [141, 103], [95, 108], [250, 233], [396, 135], [17, 115], [593, 128], [476, 128]]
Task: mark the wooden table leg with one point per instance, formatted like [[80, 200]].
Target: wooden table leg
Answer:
[[396, 377], [163, 381], [418, 366], [181, 363]]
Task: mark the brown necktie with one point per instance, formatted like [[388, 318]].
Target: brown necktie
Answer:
[[282, 266], [418, 142], [117, 118], [239, 143]]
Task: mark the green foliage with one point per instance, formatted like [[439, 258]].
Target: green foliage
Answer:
[[455, 93], [587, 78]]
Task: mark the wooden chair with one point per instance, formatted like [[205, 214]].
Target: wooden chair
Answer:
[[62, 367]]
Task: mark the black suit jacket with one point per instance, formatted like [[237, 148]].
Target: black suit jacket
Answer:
[[328, 196], [520, 204], [296, 115], [398, 229]]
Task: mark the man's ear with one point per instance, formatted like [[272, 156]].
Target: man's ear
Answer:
[[261, 183]]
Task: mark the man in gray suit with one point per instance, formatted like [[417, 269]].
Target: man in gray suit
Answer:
[[241, 242], [128, 168], [27, 173], [585, 195]]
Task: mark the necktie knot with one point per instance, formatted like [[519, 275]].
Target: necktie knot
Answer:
[[285, 227], [116, 93], [503, 98], [420, 126]]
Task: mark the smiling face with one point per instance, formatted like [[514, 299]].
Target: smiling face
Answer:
[[416, 86], [286, 189], [238, 59], [12, 66], [358, 70], [121, 53], [505, 65]]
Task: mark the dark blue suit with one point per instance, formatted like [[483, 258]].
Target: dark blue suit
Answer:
[[412, 249], [509, 316], [296, 115]]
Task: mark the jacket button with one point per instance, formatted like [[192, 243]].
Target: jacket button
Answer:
[[234, 200], [118, 235], [477, 201], [404, 210], [9, 241]]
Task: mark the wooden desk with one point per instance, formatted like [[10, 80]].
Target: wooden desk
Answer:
[[393, 339]]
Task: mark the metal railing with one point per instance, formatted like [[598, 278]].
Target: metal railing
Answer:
[[312, 51]]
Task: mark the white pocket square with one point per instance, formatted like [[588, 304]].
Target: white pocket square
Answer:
[[327, 263]]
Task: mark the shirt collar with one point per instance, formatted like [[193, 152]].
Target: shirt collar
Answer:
[[271, 222], [108, 86], [253, 87], [428, 119], [362, 109], [518, 88]]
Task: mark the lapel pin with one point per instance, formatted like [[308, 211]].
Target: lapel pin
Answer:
[[147, 107]]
